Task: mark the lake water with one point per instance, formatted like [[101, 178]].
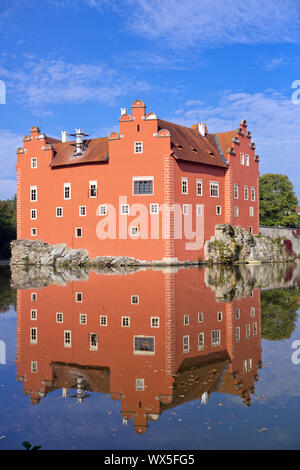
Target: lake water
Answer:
[[153, 359]]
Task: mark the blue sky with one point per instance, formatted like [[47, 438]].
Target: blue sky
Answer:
[[75, 63]]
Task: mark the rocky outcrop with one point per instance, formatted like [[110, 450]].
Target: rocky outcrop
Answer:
[[236, 245]]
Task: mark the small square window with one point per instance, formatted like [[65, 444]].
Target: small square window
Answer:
[[33, 232], [200, 317], [125, 209], [214, 189], [33, 193], [93, 341], [78, 297], [82, 211], [220, 316], [103, 320], [34, 162], [78, 232], [236, 211], [83, 319], [140, 385], [67, 338], [184, 186], [103, 209], [59, 212], [34, 366], [186, 319], [33, 296], [154, 208], [33, 314], [135, 299], [154, 322], [33, 214], [125, 321], [134, 231], [218, 210], [199, 188], [138, 147], [93, 189], [59, 317], [67, 191]]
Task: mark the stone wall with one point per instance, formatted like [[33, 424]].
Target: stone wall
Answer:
[[292, 234]]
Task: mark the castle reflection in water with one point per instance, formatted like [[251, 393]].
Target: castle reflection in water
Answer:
[[152, 339]]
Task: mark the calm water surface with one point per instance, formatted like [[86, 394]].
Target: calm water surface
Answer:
[[154, 359]]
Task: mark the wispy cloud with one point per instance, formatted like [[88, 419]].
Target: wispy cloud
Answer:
[[209, 23], [273, 120], [54, 81]]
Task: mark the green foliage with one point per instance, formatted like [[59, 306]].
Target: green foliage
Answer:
[[279, 313], [278, 201], [7, 293], [7, 226]]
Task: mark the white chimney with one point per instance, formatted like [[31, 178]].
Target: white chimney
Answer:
[[201, 129], [79, 141], [123, 111], [64, 136]]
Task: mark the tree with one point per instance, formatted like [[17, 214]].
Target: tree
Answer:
[[278, 201], [279, 313], [7, 226]]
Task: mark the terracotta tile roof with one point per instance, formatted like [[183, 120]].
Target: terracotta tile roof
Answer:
[[187, 144], [225, 140], [96, 151]]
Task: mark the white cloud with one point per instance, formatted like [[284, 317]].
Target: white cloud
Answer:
[[55, 81], [209, 23], [272, 118]]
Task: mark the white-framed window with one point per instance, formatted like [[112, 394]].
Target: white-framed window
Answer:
[[201, 340], [186, 343], [154, 322], [67, 191], [34, 162], [218, 210], [135, 299], [252, 193], [185, 209], [33, 193], [199, 188], [125, 209], [67, 338], [242, 159], [245, 364], [140, 385], [33, 296], [154, 208], [216, 337], [200, 317], [246, 193], [252, 312], [199, 210], [144, 345], [59, 317], [251, 211], [248, 331], [103, 209], [184, 185], [93, 341], [33, 335], [103, 320], [214, 189], [78, 297], [83, 318], [143, 185], [249, 364], [236, 191], [78, 232], [33, 232], [125, 321], [255, 329], [134, 231], [237, 334], [33, 366], [219, 316], [33, 214], [236, 211], [186, 319], [250, 229], [247, 159], [92, 189], [138, 147], [82, 211], [237, 313], [59, 212], [33, 314]]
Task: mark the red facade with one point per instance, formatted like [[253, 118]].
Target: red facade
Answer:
[[153, 340], [154, 190]]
